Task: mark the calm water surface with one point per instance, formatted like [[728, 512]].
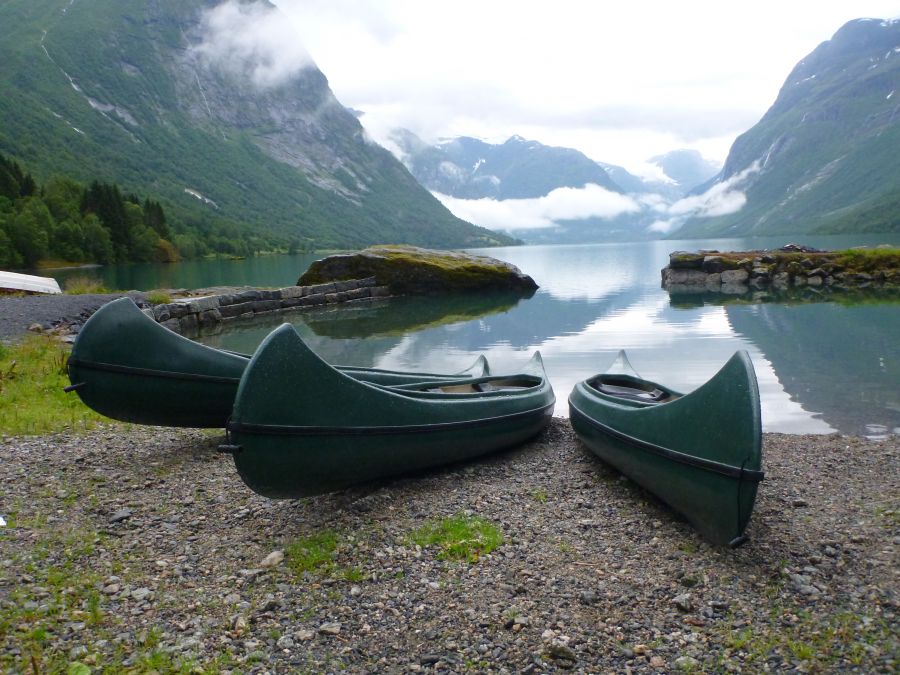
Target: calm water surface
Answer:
[[822, 367]]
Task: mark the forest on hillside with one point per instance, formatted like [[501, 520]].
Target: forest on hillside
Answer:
[[65, 221]]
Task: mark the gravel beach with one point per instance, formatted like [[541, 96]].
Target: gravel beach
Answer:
[[141, 550], [18, 313]]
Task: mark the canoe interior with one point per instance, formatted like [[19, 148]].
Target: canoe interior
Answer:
[[629, 388]]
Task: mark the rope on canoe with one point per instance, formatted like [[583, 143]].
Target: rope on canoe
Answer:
[[674, 455], [150, 372], [294, 430]]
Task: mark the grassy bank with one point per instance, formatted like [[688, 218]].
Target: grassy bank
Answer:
[[32, 400]]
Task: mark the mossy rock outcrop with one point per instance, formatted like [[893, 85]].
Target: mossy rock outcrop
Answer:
[[792, 265], [408, 270]]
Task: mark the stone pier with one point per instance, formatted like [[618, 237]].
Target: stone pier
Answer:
[[189, 316]]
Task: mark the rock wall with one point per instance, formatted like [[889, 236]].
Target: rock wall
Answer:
[[737, 273], [191, 315]]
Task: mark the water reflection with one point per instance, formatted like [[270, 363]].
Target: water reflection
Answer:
[[821, 367], [400, 316]]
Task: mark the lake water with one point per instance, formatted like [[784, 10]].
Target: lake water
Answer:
[[822, 366]]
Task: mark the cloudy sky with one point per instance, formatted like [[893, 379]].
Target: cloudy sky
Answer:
[[620, 81]]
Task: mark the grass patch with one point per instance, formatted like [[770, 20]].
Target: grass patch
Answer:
[[83, 284], [838, 641], [539, 496], [460, 537], [868, 259], [315, 553], [32, 400], [158, 298]]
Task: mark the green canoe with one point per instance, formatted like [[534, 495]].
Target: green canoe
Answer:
[[127, 366], [700, 452], [335, 431]]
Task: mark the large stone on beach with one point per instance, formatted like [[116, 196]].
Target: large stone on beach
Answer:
[[408, 270]]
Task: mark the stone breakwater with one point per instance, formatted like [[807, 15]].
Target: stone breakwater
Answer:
[[740, 272], [189, 316]]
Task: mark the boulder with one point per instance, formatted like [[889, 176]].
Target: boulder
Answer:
[[409, 270]]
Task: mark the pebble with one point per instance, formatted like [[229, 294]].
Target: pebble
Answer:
[[120, 515], [274, 559], [587, 597], [141, 594], [585, 580], [686, 662], [683, 602]]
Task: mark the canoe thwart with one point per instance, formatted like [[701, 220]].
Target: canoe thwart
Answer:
[[73, 387], [229, 449]]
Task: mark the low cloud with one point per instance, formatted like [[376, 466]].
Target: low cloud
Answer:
[[252, 40], [591, 201], [720, 200]]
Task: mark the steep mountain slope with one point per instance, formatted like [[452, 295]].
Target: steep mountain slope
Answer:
[[825, 156], [468, 168], [152, 96]]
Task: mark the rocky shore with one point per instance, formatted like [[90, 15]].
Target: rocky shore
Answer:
[[793, 266], [138, 548]]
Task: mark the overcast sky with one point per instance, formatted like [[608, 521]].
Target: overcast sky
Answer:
[[620, 81]]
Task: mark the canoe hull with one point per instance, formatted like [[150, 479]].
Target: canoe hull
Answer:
[[700, 453], [291, 466], [128, 367], [363, 431]]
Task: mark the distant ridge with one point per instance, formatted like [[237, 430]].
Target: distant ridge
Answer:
[[469, 168], [826, 156]]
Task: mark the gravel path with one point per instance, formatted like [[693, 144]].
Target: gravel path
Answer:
[[19, 312], [137, 547]]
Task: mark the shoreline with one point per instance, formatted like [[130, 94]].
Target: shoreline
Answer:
[[131, 544]]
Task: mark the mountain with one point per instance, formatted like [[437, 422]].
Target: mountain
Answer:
[[468, 168], [824, 158], [181, 100], [686, 168]]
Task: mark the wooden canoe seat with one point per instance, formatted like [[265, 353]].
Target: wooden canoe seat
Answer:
[[479, 387], [628, 390]]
